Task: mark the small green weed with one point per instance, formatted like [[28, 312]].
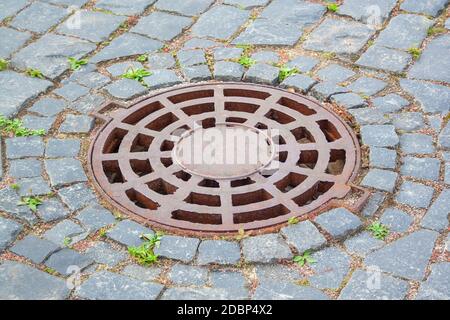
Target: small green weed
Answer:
[[241, 234], [136, 74], [15, 186], [378, 230], [31, 202], [415, 52], [15, 127], [435, 30], [246, 61], [34, 73], [293, 220], [67, 241], [333, 7], [76, 64], [3, 64], [286, 72], [142, 58], [304, 259], [144, 253]]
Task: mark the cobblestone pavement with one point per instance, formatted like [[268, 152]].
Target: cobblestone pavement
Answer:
[[384, 63]]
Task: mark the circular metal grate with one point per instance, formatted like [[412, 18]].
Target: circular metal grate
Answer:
[[169, 159]]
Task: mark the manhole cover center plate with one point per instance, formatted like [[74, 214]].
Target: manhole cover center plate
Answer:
[[224, 151], [220, 157]]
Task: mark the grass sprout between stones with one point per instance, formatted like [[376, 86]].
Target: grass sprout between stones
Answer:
[[3, 64], [15, 128], [293, 220], [76, 64], [246, 61], [31, 202], [415, 52], [333, 7], [136, 74], [378, 230], [304, 259], [142, 58], [144, 254], [34, 73], [286, 72]]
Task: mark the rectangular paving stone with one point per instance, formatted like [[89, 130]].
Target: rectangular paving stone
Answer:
[[11, 40], [178, 248], [429, 7], [266, 248], [88, 103], [128, 233], [38, 123], [231, 19], [421, 168], [266, 56], [340, 37], [444, 139], [231, 281], [64, 171], [17, 89], [162, 78], [363, 243], [92, 80], [71, 91], [52, 209], [383, 158], [415, 194], [161, 61], [25, 168], [35, 186], [77, 124], [188, 58], [95, 217], [9, 230], [432, 97], [396, 220], [324, 90], [126, 89], [373, 204], [436, 287], [335, 73], [436, 217], [90, 25], [129, 8], [118, 69], [142, 273], [49, 54], [367, 86], [104, 253], [197, 73], [378, 57], [416, 143], [39, 17], [65, 233], [404, 31], [21, 282], [390, 103], [379, 135], [304, 236], [162, 26], [9, 199], [363, 10], [64, 260], [21, 147], [62, 148], [48, 107], [34, 248], [274, 290], [380, 179], [303, 63], [218, 252], [247, 4], [188, 275], [330, 269], [11, 7], [408, 121], [349, 100], [184, 7], [339, 222], [299, 82], [262, 73], [228, 71], [278, 26], [76, 196]]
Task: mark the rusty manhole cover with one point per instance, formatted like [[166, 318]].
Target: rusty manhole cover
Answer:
[[217, 158]]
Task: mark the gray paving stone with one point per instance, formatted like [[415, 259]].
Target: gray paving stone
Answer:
[[408, 121], [76, 196], [335, 73], [197, 294], [430, 7], [447, 173], [277, 272], [380, 179], [247, 4], [435, 122], [95, 217], [363, 286], [339, 222], [432, 97], [415, 194], [379, 57], [197, 73], [52, 209], [373, 204], [49, 54], [231, 281], [94, 26], [48, 107], [33, 187], [426, 67], [64, 260], [416, 143], [34, 248], [444, 138], [68, 3], [104, 253], [38, 123], [128, 233], [162, 26], [349, 100], [406, 257], [367, 86], [11, 40], [304, 236], [383, 158], [9, 230], [265, 249], [228, 71], [142, 273], [324, 90], [421, 168], [436, 217], [9, 8], [231, 19], [363, 9], [271, 290], [379, 135], [396, 220], [126, 89], [62, 148], [64, 171], [365, 116], [330, 269], [128, 8], [22, 282], [363, 243], [404, 31], [161, 61], [303, 63], [65, 232], [218, 252], [128, 44], [227, 53], [16, 90], [118, 69], [278, 26], [161, 79], [341, 37], [390, 103], [188, 275], [9, 200], [42, 15], [200, 43], [184, 7], [268, 57], [189, 58], [437, 286], [299, 82], [25, 168], [106, 285], [92, 80], [88, 103], [77, 124], [178, 248]]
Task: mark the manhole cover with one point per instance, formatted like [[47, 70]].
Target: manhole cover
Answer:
[[218, 158]]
